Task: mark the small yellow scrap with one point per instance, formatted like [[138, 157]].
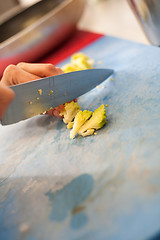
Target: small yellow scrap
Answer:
[[112, 79], [70, 125], [79, 61], [50, 92], [40, 91], [30, 102], [106, 105], [37, 98]]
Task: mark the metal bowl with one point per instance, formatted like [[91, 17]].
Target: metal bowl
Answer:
[[148, 15], [36, 30]]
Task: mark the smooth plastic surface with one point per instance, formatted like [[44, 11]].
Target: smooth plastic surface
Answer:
[[106, 186]]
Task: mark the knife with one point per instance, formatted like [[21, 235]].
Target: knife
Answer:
[[38, 96]]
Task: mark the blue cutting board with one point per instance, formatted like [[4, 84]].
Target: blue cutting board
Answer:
[[105, 186]]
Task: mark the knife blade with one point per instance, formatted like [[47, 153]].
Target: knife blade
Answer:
[[35, 97]]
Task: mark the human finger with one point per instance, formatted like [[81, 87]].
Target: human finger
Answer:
[[6, 97], [40, 69], [15, 75]]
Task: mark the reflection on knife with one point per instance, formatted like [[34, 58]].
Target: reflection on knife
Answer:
[[55, 91]]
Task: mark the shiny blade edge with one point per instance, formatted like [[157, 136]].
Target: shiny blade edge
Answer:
[[56, 90]]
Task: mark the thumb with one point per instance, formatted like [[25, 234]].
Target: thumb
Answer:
[[6, 97]]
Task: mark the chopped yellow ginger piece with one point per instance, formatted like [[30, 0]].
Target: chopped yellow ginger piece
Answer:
[[97, 121], [80, 119], [70, 125], [85, 122], [70, 68], [82, 61], [88, 132], [79, 61], [70, 111]]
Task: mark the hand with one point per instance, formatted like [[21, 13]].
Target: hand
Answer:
[[20, 73], [26, 72], [6, 97]]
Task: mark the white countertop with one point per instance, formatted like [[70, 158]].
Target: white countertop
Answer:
[[112, 17]]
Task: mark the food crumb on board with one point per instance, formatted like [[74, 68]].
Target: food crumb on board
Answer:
[[37, 98], [106, 105], [30, 103], [50, 92], [95, 133], [112, 79], [40, 91]]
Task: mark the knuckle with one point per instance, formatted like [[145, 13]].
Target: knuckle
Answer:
[[10, 69], [20, 64], [50, 67], [59, 70]]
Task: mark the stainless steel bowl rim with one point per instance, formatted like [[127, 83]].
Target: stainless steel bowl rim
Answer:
[[35, 25]]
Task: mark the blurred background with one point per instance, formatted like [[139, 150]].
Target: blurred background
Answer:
[[31, 28], [102, 16], [112, 17]]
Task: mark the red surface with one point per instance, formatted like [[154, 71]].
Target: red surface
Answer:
[[75, 43]]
